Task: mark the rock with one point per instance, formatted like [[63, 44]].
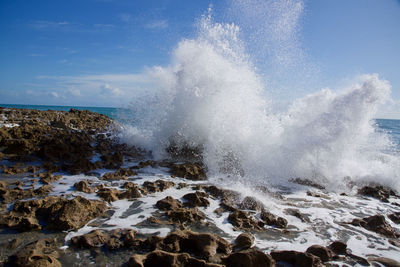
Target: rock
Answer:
[[296, 258], [338, 247], [227, 197], [270, 219], [250, 203], [132, 191], [358, 260], [120, 174], [197, 199], [96, 238], [385, 261], [37, 254], [83, 186], [243, 241], [325, 254], [168, 203], [184, 215], [296, 213], [307, 182], [16, 242], [48, 177], [191, 171], [241, 220], [395, 217], [380, 192], [108, 194], [249, 258], [377, 224], [157, 186], [115, 239]]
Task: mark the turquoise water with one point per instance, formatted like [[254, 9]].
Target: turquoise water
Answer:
[[392, 127]]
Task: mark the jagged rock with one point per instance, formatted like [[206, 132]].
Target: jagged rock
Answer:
[[296, 258], [228, 197], [16, 242], [41, 253], [377, 224], [385, 261], [83, 186], [120, 174], [132, 191], [241, 220], [270, 219], [108, 194], [113, 240], [338, 247], [60, 213], [250, 203], [185, 215], [307, 182], [380, 192], [395, 217], [296, 213], [96, 238], [197, 199], [8, 194], [243, 241], [192, 171], [168, 203], [13, 170], [249, 258], [157, 186], [48, 177], [325, 254], [358, 260]]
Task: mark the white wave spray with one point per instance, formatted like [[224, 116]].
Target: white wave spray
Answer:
[[211, 97]]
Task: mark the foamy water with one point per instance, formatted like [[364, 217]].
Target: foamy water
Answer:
[[212, 98]]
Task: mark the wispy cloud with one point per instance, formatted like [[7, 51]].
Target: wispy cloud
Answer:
[[50, 25], [66, 26], [157, 25], [37, 55], [124, 17]]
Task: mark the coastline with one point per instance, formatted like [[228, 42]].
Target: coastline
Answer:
[[69, 177]]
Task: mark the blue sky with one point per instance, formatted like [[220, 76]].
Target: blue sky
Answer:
[[94, 52]]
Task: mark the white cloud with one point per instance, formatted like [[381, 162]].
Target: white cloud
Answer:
[[157, 25], [107, 89], [50, 25], [54, 94], [74, 91]]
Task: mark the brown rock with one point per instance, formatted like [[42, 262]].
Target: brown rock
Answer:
[[338, 247], [157, 186], [184, 215], [108, 194], [270, 219], [197, 199], [296, 258], [250, 203], [243, 241], [37, 254], [385, 261], [132, 191], [83, 186], [296, 213], [191, 171], [325, 254], [249, 258], [378, 224], [307, 182], [96, 238], [168, 203], [395, 217], [241, 220], [380, 192], [120, 174]]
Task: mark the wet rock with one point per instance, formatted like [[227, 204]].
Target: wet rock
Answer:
[[379, 192], [113, 160], [250, 203], [385, 261], [132, 191], [83, 186], [270, 219], [168, 203], [16, 169], [48, 177], [296, 258], [111, 240], [144, 164], [191, 171], [108, 194], [96, 238], [296, 213], [338, 247], [241, 220], [325, 254], [197, 199], [249, 258], [37, 254], [377, 224], [157, 186], [307, 182], [228, 197], [10, 194], [120, 174], [243, 241], [395, 217], [16, 242], [185, 215], [358, 260]]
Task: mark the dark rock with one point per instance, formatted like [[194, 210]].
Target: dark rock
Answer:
[[132, 191], [168, 203], [39, 253], [83, 186], [338, 247], [250, 203], [385, 261], [270, 219], [377, 224], [395, 217], [197, 199], [358, 259], [380, 192], [243, 241], [296, 258], [296, 213], [249, 258], [184, 215], [325, 254], [108, 194], [241, 220], [96, 238], [192, 171], [120, 174], [307, 182], [157, 186]]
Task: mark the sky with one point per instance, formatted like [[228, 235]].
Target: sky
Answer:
[[95, 52]]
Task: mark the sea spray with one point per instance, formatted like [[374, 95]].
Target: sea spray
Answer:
[[210, 98]]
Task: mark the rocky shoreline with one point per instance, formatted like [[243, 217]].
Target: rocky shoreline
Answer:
[[68, 184]]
